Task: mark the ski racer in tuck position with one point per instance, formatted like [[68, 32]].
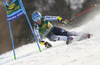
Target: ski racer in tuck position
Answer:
[[42, 26]]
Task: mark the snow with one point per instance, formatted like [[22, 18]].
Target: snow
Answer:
[[85, 52], [76, 4]]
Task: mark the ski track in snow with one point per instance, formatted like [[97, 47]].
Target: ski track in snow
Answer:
[[85, 52]]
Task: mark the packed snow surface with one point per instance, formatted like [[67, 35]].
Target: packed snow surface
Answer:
[[85, 52]]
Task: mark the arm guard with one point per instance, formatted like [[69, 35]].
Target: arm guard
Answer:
[[51, 18]]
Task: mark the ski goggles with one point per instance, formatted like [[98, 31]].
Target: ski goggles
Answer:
[[36, 18]]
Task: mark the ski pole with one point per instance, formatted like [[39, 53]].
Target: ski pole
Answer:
[[81, 13]]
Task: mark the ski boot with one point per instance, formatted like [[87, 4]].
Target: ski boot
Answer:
[[69, 40], [48, 45], [89, 35]]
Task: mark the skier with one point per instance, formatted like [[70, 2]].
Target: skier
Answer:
[[53, 33]]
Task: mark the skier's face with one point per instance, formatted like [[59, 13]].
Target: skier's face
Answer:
[[39, 21]]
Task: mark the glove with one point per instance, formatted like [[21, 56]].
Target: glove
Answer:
[[48, 45], [61, 20], [42, 42]]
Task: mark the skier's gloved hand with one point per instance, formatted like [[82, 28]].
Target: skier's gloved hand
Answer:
[[42, 42], [46, 44], [59, 18]]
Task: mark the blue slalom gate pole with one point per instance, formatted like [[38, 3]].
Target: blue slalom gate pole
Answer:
[[12, 41], [33, 32], [29, 24]]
